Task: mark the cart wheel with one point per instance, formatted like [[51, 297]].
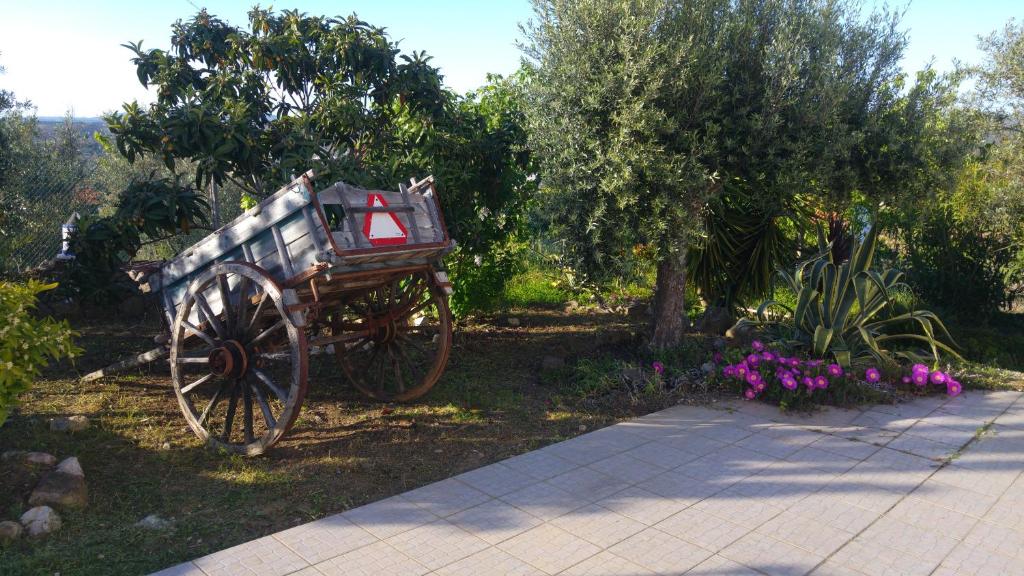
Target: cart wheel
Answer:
[[239, 371], [397, 338]]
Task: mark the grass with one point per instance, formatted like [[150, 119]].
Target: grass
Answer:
[[344, 451]]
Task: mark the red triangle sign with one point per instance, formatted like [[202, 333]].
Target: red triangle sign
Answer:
[[383, 228]]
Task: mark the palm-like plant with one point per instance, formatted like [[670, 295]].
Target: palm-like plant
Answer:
[[847, 310]]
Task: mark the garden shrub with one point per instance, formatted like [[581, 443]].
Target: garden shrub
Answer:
[[26, 342], [957, 266], [851, 313]]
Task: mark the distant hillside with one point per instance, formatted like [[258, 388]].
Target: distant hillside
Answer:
[[86, 127]]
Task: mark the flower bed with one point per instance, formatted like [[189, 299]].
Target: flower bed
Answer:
[[773, 376]]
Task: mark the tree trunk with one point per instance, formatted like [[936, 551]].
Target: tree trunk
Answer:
[[669, 302]]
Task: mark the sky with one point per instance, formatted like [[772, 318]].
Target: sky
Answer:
[[65, 54]]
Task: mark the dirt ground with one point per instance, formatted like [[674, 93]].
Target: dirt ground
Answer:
[[140, 458]]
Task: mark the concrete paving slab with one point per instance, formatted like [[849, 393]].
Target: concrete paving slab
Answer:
[[933, 486]]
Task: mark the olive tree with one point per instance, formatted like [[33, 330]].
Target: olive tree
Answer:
[[643, 111]]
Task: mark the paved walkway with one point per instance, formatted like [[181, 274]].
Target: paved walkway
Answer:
[[739, 489]]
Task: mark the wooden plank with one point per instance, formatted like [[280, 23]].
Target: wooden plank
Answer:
[[139, 360]]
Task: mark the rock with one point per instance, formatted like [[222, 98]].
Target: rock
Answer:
[[62, 489], [741, 333], [715, 321], [550, 362], [71, 466], [707, 367], [75, 423], [165, 446], [638, 310], [154, 522], [583, 427], [40, 521], [41, 458], [571, 306], [10, 531], [513, 321], [11, 455], [632, 374]]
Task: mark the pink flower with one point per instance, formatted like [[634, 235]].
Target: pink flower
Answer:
[[808, 382], [835, 370], [768, 356], [742, 370], [813, 363], [760, 386], [717, 358], [749, 393], [920, 378], [794, 362], [821, 382], [953, 387], [729, 371], [789, 383], [754, 378], [905, 379], [872, 375], [919, 368], [753, 359], [757, 345], [659, 368], [937, 377]]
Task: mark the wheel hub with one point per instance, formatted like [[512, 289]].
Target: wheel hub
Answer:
[[229, 360]]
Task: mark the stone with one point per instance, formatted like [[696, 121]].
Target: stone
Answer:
[[40, 521], [741, 333], [550, 362], [9, 531], [154, 522], [165, 446], [513, 322], [571, 306], [715, 321], [71, 466], [11, 455], [62, 489], [41, 458], [707, 367], [75, 423], [632, 375]]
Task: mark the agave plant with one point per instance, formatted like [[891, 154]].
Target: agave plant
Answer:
[[848, 311]]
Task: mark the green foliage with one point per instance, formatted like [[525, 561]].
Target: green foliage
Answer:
[[534, 287], [27, 343], [289, 93], [641, 111], [147, 211], [744, 244], [846, 311], [957, 266], [253, 106]]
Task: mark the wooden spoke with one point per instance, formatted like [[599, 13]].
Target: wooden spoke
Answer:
[[262, 377], [229, 419], [268, 414], [247, 416], [211, 405], [405, 336], [207, 313], [237, 338], [266, 333], [202, 335], [225, 304], [197, 383]]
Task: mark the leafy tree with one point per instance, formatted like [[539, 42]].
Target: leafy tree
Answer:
[[254, 106], [641, 111]]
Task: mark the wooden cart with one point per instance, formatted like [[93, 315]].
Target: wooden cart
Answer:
[[355, 270]]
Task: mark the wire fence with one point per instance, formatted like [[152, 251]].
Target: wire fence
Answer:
[[36, 206]]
